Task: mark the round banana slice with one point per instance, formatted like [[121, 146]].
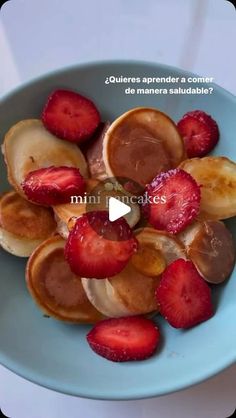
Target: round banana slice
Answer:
[[28, 146], [211, 248], [55, 289], [96, 198], [23, 225], [132, 292], [217, 178], [140, 144]]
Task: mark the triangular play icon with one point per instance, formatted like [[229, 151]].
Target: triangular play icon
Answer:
[[117, 209]]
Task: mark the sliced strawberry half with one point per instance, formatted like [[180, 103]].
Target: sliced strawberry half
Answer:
[[70, 116], [184, 297], [97, 248], [124, 339], [200, 133], [53, 185], [172, 201]]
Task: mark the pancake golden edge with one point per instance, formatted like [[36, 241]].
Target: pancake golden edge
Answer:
[[23, 226], [56, 290], [210, 246], [130, 292], [28, 146], [166, 132], [217, 179]]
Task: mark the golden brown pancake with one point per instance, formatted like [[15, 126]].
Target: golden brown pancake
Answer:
[[56, 290], [210, 246], [136, 290], [25, 219], [140, 144], [28, 146], [131, 292], [217, 179]]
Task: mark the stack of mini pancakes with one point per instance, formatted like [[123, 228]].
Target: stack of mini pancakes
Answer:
[[121, 149]]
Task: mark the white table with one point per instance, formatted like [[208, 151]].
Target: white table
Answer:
[[40, 36]]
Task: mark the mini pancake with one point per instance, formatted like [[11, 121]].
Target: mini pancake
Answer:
[[94, 157], [140, 144], [131, 292], [23, 225], [210, 246], [25, 219], [18, 246], [55, 289], [217, 178], [67, 214], [28, 146]]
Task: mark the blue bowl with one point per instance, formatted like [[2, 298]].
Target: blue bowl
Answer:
[[56, 355]]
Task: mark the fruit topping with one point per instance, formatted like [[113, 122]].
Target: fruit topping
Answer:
[[53, 185], [183, 296], [70, 116], [124, 339], [98, 248], [200, 133], [172, 201]]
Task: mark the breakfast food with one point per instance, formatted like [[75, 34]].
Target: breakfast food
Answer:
[[70, 116], [200, 133], [23, 226], [179, 195], [86, 266], [97, 247], [210, 246], [124, 339], [55, 289], [94, 154], [217, 179], [132, 291], [139, 145], [28, 146], [67, 214], [53, 185], [183, 296]]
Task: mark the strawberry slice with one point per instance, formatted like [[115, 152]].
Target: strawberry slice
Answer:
[[172, 201], [70, 116], [98, 248], [53, 185], [184, 297], [124, 339], [200, 133]]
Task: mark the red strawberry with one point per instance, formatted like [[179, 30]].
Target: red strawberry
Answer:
[[200, 133], [98, 248], [172, 201], [70, 116], [184, 297], [53, 185], [124, 339]]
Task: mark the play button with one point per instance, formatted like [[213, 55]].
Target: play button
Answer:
[[117, 209]]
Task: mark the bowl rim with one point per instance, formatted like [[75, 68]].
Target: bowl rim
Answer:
[[101, 63], [143, 393]]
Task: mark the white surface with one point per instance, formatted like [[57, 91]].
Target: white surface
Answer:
[[117, 209], [39, 36]]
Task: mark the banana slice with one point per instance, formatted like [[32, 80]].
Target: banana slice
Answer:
[[29, 146], [55, 289], [23, 225], [131, 292], [97, 198], [217, 178], [210, 246]]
